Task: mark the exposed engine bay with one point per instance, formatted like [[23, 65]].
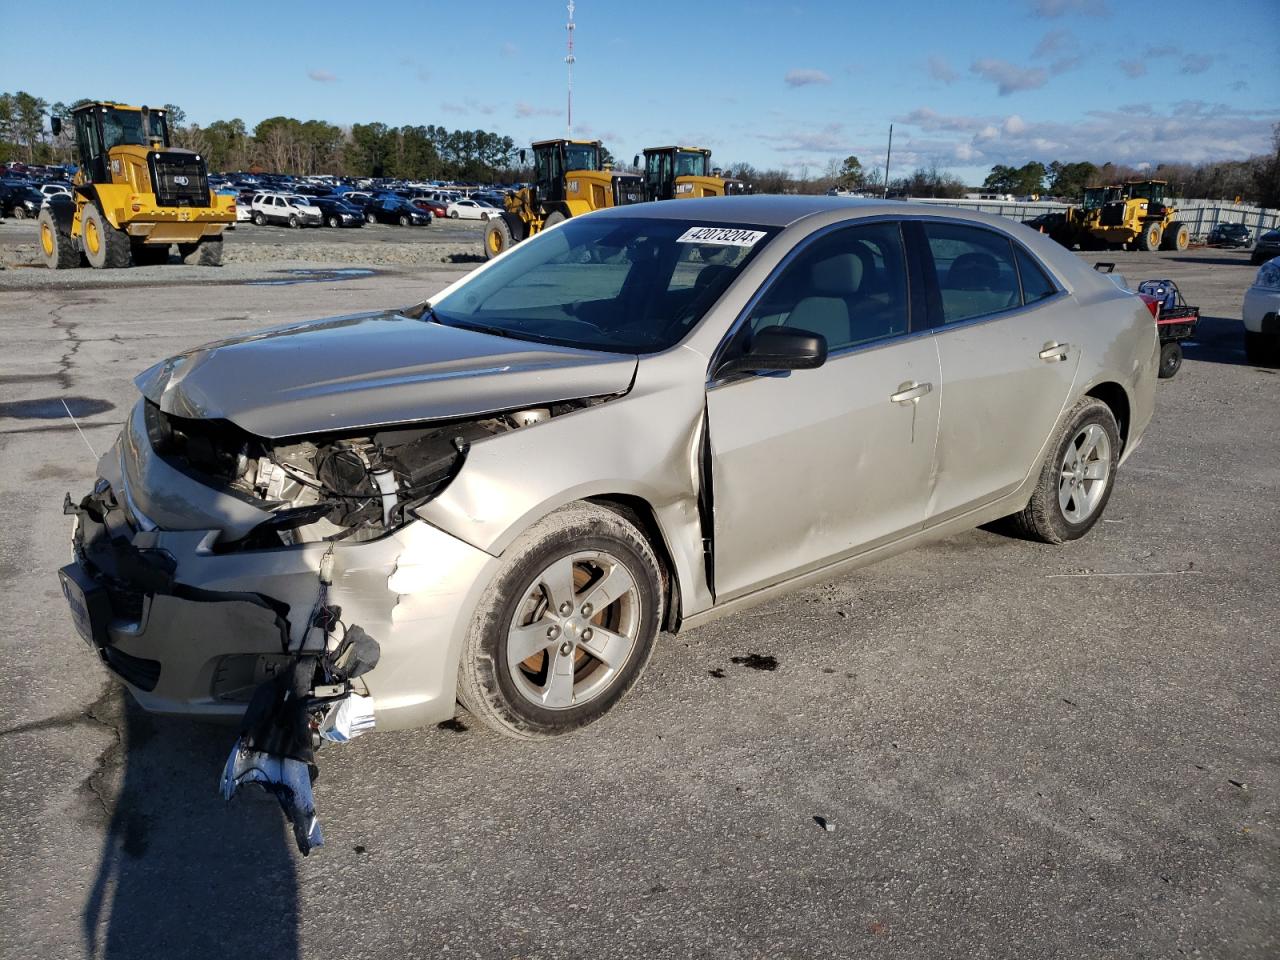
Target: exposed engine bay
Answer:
[[329, 488]]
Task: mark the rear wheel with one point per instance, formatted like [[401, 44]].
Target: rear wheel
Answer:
[[56, 245], [1149, 239], [1177, 236], [105, 247], [204, 253], [1170, 359], [1077, 476], [497, 238], [566, 627], [553, 218]]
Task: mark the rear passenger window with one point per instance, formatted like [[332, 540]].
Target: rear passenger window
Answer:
[[1035, 285], [975, 270]]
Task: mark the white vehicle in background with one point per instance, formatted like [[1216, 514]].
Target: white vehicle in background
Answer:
[[1262, 315], [287, 208], [54, 189], [469, 209]]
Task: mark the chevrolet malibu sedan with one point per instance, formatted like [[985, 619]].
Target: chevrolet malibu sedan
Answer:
[[632, 423]]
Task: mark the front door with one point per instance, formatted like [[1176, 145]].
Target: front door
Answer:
[[813, 466]]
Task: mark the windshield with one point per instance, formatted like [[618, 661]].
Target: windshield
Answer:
[[582, 157], [125, 127], [690, 164], [622, 285]]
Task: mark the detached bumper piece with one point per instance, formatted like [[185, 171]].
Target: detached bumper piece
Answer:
[[276, 747]]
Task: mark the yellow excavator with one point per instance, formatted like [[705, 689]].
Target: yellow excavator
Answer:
[[133, 196], [1140, 216], [569, 179], [681, 173]]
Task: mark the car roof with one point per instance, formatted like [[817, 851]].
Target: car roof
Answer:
[[766, 210]]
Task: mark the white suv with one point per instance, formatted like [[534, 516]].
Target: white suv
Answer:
[[292, 209]]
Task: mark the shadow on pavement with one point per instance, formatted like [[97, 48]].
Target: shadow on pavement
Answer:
[[1242, 261], [1217, 340], [183, 873]]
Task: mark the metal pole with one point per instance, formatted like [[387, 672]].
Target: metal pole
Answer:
[[887, 155], [569, 27]]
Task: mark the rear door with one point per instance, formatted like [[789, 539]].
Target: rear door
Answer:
[[1008, 357], [811, 466]]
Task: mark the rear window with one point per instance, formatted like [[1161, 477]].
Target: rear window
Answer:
[[975, 270], [1035, 284]]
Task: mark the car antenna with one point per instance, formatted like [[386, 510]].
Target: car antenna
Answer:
[[79, 431]]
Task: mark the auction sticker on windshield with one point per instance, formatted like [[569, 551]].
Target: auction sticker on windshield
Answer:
[[722, 236]]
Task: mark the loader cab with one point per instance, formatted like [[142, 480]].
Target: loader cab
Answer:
[[1152, 191], [663, 166], [101, 127], [552, 159]]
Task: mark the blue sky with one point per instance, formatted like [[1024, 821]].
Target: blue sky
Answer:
[[967, 85]]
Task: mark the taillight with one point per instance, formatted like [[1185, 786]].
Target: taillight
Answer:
[[1153, 304]]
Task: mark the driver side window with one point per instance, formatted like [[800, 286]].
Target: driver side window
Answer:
[[850, 286]]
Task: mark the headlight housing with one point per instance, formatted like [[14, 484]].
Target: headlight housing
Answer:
[[1268, 275]]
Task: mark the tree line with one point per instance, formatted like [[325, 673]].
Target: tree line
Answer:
[[280, 144]]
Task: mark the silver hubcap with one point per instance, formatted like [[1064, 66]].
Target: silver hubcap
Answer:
[[1086, 471], [574, 631]]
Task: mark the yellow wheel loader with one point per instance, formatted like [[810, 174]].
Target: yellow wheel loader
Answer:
[[680, 173], [1079, 222], [133, 195], [569, 179], [1141, 217]]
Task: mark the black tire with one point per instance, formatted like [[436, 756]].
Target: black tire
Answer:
[[484, 218], [554, 217], [1043, 517], [114, 250], [56, 246], [19, 212], [1257, 258], [370, 217], [404, 220], [204, 253], [260, 218], [1261, 350], [150, 254], [1150, 237], [294, 222], [1176, 236], [486, 685], [334, 221], [497, 238], [1170, 360]]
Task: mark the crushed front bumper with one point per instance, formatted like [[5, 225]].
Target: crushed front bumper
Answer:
[[194, 631]]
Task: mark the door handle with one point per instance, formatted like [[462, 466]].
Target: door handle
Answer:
[[1054, 351], [910, 391]]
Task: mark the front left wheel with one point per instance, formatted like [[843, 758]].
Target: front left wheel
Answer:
[[566, 627]]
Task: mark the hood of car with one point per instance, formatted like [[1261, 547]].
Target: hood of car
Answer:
[[373, 369]]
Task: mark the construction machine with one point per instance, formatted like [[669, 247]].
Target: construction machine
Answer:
[[569, 179], [679, 173], [1076, 228], [1141, 216], [133, 196]]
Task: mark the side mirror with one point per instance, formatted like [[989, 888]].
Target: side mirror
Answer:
[[522, 157], [55, 126], [778, 348], [635, 161]]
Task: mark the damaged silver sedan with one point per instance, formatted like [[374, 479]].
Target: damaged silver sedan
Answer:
[[635, 421]]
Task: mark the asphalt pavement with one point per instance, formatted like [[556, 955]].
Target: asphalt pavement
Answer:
[[1025, 751]]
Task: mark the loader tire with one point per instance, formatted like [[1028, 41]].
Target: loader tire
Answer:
[[1177, 236], [105, 247], [56, 246], [204, 253], [1150, 237], [553, 218], [497, 238]]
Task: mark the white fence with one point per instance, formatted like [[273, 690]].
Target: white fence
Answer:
[[1201, 215]]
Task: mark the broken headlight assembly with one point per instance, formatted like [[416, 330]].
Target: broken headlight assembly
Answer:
[[328, 488]]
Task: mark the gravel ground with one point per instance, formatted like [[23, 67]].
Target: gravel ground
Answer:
[[1026, 752]]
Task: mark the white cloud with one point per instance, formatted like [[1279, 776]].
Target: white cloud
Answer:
[[529, 110], [1014, 125], [1058, 40], [828, 139], [322, 76], [1134, 68], [940, 69], [805, 78], [1009, 78]]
